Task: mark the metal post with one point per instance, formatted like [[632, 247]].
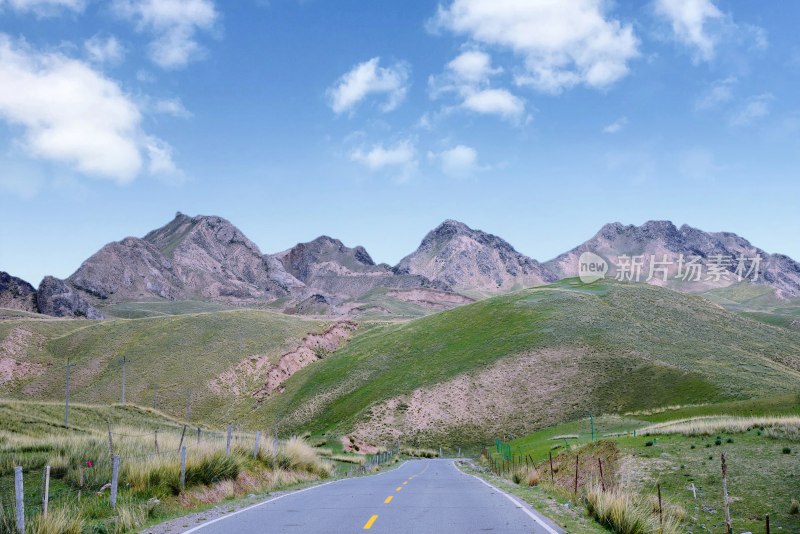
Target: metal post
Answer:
[[591, 418], [46, 490], [660, 509], [228, 446], [577, 457], [258, 439], [183, 468], [114, 480], [19, 495]]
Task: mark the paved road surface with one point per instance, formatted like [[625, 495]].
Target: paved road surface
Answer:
[[419, 497]]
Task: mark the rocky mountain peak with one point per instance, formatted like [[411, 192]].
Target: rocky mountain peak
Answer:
[[16, 293]]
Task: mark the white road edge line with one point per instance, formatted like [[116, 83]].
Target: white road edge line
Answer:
[[522, 507], [262, 503]]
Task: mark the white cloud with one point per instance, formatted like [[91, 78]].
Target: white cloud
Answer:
[[104, 49], [689, 19], [469, 76], [366, 79], [756, 108], [616, 126], [563, 43], [720, 92], [70, 113], [44, 7], [172, 106], [459, 161], [160, 155], [174, 24], [473, 67], [495, 102], [400, 158]]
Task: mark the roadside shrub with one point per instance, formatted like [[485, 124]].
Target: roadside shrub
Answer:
[[794, 507], [211, 469], [648, 444], [517, 477], [729, 440], [623, 513], [533, 477], [787, 450]]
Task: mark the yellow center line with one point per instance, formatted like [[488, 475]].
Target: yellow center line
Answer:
[[399, 488], [370, 522], [388, 499]]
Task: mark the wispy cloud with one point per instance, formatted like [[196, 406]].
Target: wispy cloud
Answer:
[[44, 8], [720, 92], [368, 79], [459, 161], [174, 25], [754, 109], [400, 158], [101, 49], [616, 126]]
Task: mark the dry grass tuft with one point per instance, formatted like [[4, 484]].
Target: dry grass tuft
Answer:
[[624, 513], [61, 521], [781, 426]]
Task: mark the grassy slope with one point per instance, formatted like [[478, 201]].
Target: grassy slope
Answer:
[[761, 478], [179, 353], [650, 347]]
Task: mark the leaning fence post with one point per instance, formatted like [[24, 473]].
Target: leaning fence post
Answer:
[[183, 434], [552, 479], [602, 482], [577, 457], [258, 439], [46, 490], [19, 495], [228, 446], [728, 525], [183, 468], [114, 479]]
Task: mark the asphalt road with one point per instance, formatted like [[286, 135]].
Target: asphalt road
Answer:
[[419, 497]]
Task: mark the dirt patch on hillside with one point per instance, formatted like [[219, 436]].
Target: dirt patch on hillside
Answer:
[[14, 349], [488, 400], [429, 298], [259, 369]]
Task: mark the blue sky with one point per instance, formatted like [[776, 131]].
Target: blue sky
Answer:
[[372, 122]]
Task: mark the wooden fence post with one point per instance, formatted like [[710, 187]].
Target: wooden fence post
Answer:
[[110, 441], [258, 439], [602, 482], [767, 519], [228, 445], [183, 468], [46, 490], [19, 495], [728, 525], [275, 450], [577, 457], [552, 479], [198, 435], [155, 434], [183, 434], [660, 509], [114, 480]]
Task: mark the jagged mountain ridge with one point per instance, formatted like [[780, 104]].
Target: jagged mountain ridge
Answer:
[[472, 261], [664, 240], [208, 258]]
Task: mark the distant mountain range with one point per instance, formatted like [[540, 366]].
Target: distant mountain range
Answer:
[[208, 258]]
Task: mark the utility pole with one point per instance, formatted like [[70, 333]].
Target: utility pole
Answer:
[[66, 395], [124, 361]]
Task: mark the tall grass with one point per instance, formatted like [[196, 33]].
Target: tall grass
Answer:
[[785, 426], [624, 513]]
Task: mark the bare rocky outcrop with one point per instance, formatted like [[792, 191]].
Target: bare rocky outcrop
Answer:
[[57, 298], [313, 347], [663, 238], [270, 373], [430, 298], [16, 294], [455, 255]]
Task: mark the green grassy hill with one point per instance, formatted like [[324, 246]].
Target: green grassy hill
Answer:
[[169, 357], [527, 360]]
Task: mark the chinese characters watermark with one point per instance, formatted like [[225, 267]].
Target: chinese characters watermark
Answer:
[[648, 268]]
